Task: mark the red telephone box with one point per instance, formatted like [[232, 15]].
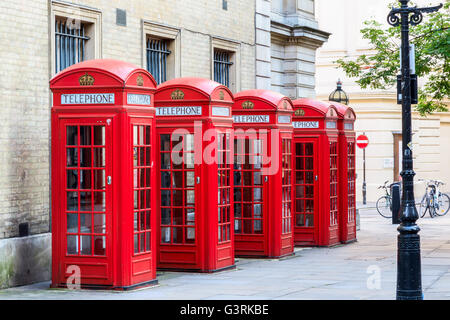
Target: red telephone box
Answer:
[[194, 129], [316, 167], [262, 174], [347, 186], [103, 199]]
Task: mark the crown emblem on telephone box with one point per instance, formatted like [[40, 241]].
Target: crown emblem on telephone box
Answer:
[[177, 95], [140, 80], [86, 80], [247, 105]]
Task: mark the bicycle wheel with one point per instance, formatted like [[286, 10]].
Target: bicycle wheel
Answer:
[[384, 207], [431, 206], [443, 204], [423, 207]]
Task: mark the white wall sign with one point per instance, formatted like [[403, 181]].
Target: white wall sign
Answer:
[[221, 111], [179, 111], [284, 119], [141, 99], [251, 119], [388, 163], [306, 124], [87, 98]]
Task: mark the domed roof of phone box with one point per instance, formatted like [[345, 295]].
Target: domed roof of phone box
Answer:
[[270, 100], [205, 87], [106, 73]]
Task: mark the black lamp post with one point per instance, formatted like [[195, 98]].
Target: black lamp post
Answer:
[[409, 277]]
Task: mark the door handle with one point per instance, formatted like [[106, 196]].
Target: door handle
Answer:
[[266, 178], [317, 178], [109, 180], [198, 180]]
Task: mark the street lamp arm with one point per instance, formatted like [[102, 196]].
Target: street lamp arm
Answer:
[[429, 9], [393, 19], [416, 17]]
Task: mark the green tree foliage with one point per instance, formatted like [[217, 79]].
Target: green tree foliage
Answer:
[[432, 42]]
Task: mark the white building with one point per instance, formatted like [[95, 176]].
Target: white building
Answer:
[[378, 114]]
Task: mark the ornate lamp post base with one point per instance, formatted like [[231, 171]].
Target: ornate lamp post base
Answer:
[[409, 282]]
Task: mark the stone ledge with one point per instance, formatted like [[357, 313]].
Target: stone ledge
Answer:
[[25, 260]]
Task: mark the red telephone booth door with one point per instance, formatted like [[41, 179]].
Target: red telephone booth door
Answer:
[[179, 216], [287, 236], [333, 231], [250, 197], [351, 191], [306, 206], [86, 187], [143, 197]]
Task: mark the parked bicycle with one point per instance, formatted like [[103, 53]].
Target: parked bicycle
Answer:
[[434, 201], [384, 204]]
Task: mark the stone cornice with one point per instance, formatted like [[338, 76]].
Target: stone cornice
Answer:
[[301, 35]]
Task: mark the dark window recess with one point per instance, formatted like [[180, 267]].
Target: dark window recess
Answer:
[[70, 43], [121, 17], [222, 65], [157, 53], [224, 4], [24, 230]]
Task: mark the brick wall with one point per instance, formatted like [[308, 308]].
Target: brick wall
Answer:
[[24, 114], [26, 71]]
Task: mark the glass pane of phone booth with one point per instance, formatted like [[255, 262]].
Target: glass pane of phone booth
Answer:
[[224, 184], [177, 189], [334, 184], [304, 184], [142, 188], [286, 175], [85, 190], [248, 186]]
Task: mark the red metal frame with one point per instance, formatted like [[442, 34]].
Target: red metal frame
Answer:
[[194, 235], [263, 190], [347, 187], [93, 162], [316, 172]]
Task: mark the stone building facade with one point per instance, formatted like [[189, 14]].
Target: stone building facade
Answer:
[[268, 44]]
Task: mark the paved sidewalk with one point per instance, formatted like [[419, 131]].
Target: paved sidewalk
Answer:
[[313, 273]]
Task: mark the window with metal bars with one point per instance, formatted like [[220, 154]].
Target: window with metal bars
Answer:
[[157, 53], [70, 43], [222, 66]]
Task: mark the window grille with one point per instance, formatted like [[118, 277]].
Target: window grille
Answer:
[[70, 44], [222, 65], [157, 53]]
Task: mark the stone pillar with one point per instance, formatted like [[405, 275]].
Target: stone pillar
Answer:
[[287, 37], [262, 21], [294, 50]]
